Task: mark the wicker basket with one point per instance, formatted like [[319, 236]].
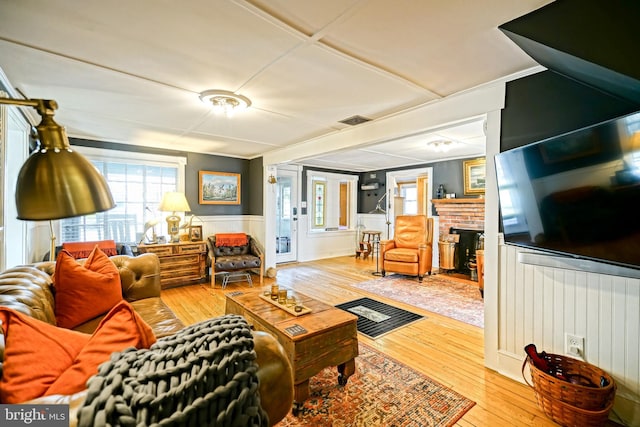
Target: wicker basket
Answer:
[[572, 404]]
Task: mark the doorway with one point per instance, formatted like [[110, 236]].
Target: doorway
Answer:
[[286, 215], [410, 193]]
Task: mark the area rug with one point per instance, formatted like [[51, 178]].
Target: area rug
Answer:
[[376, 318], [437, 294], [382, 392]]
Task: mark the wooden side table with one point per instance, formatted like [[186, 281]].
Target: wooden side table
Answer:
[[181, 263], [368, 243]]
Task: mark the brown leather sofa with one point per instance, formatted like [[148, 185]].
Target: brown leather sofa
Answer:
[[28, 289], [410, 251]]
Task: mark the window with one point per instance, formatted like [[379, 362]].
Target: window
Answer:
[[137, 183], [319, 200], [409, 191], [333, 199]]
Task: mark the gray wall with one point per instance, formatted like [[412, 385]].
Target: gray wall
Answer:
[[249, 170], [448, 173]]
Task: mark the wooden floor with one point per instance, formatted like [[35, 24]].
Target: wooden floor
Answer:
[[446, 350]]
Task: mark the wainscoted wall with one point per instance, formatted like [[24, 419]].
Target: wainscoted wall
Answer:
[[540, 304], [250, 224]]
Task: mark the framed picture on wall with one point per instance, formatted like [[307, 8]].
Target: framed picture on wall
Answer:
[[218, 188], [474, 176]]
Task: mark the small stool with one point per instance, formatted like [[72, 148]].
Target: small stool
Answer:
[[369, 242]]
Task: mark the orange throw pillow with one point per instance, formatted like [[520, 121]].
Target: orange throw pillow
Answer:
[[84, 292], [36, 354], [120, 329]]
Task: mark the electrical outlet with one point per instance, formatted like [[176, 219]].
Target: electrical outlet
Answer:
[[574, 345]]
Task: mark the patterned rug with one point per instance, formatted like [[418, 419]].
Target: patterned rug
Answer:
[[382, 392], [376, 318], [437, 294]]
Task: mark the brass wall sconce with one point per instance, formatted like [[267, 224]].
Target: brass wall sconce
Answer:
[[55, 181], [272, 179]]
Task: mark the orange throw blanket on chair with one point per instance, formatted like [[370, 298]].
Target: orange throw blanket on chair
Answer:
[[231, 239]]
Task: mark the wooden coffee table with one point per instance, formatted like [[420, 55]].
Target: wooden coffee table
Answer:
[[329, 336]]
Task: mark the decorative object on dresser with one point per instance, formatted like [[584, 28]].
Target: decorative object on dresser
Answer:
[[150, 225], [181, 263], [231, 252], [196, 233]]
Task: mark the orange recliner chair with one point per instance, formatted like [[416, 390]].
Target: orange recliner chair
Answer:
[[410, 251]]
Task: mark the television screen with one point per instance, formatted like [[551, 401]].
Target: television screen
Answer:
[[576, 194]]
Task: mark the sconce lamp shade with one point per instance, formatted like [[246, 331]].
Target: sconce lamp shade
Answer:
[[56, 182], [174, 201]]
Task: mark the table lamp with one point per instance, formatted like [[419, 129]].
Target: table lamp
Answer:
[[174, 201]]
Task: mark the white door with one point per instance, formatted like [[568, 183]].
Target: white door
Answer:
[[287, 214]]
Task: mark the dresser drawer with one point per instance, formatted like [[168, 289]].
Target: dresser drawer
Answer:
[[191, 248], [178, 260], [158, 250]]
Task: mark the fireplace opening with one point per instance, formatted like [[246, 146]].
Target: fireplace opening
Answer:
[[465, 255]]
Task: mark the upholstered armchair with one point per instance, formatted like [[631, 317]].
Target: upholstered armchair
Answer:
[[410, 250], [225, 253]]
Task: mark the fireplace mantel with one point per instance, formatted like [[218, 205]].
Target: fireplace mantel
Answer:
[[467, 213], [454, 201]]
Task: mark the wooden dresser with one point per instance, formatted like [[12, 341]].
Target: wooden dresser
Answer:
[[181, 263]]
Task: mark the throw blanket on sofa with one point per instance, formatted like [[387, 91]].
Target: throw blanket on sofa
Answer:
[[204, 375], [231, 239]]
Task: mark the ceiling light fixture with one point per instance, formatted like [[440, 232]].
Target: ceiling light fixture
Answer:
[[440, 146], [224, 101]]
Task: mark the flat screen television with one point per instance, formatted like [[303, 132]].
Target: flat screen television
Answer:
[[576, 194]]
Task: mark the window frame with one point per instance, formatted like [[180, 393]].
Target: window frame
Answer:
[[133, 158], [332, 181]]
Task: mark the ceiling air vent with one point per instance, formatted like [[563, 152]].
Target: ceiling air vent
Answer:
[[354, 120]]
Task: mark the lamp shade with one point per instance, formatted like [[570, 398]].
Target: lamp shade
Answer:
[[56, 182], [174, 201]]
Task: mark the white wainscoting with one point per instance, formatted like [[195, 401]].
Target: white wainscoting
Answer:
[[250, 224], [539, 304], [320, 245]]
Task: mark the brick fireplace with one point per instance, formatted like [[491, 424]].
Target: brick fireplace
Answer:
[[459, 213], [464, 217]]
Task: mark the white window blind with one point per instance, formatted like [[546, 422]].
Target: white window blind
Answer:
[[137, 182]]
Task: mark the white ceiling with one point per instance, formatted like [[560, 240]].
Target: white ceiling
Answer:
[[131, 71]]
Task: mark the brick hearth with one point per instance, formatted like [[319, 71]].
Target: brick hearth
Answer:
[[460, 213]]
